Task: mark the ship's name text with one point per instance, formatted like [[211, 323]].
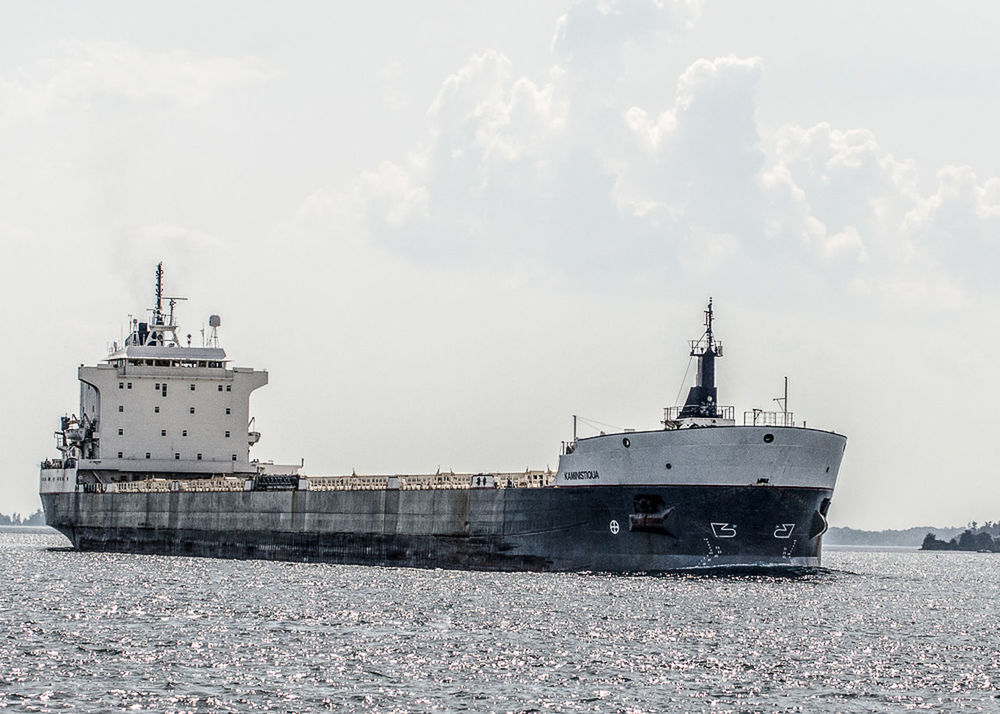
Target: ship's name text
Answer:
[[581, 475]]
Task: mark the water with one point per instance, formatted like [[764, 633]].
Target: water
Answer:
[[875, 631]]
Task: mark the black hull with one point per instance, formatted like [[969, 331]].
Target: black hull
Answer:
[[604, 529]]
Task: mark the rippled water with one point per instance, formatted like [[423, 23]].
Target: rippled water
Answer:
[[876, 631]]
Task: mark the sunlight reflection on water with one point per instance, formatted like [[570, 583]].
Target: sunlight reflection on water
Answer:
[[878, 631]]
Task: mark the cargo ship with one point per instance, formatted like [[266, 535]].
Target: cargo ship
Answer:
[[158, 460]]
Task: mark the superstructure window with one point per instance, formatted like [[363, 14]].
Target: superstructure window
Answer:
[[129, 385], [121, 385], [163, 389], [220, 387], [147, 454], [156, 410], [121, 407], [184, 433], [199, 457], [228, 410], [121, 432], [192, 387], [227, 434], [157, 388], [234, 457], [119, 454], [191, 409], [163, 432], [177, 456], [229, 387]]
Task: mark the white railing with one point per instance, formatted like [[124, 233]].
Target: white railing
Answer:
[[759, 417], [674, 413]]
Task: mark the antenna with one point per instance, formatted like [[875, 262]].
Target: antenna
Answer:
[[783, 403], [158, 295], [172, 301], [708, 324]]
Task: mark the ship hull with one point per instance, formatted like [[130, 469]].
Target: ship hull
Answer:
[[602, 528]]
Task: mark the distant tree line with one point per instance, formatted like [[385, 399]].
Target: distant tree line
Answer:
[[35, 519], [907, 538], [976, 537]]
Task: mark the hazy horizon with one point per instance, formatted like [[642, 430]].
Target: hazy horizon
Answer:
[[445, 228]]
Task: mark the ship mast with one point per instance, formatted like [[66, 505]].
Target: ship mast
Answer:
[[159, 332], [702, 400], [158, 295]]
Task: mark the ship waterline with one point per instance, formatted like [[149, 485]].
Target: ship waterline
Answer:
[[700, 492]]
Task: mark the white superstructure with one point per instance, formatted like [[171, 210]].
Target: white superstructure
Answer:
[[154, 406]]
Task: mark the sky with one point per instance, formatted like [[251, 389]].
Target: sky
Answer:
[[446, 227]]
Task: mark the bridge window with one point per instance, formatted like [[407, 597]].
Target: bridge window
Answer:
[[121, 432], [184, 433], [234, 457], [156, 410], [121, 385], [229, 387], [228, 410], [129, 385], [119, 454], [192, 387], [199, 457], [121, 407], [191, 409], [227, 434], [163, 432], [147, 454], [220, 387], [177, 456]]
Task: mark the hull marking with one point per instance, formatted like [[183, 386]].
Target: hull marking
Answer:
[[784, 530], [724, 530]]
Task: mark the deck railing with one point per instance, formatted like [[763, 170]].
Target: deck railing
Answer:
[[721, 412], [759, 417]]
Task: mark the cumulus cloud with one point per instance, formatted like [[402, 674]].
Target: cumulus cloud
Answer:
[[592, 36], [958, 226], [561, 176], [701, 158]]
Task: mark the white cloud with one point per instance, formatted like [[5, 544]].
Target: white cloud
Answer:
[[959, 226], [700, 159], [591, 37], [101, 71], [517, 170]]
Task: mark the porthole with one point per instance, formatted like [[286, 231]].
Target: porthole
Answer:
[[768, 438], [669, 466], [626, 443]]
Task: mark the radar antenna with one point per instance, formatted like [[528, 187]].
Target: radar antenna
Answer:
[[172, 301]]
